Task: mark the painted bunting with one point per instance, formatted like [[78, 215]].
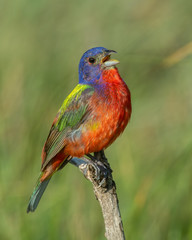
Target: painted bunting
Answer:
[[90, 118]]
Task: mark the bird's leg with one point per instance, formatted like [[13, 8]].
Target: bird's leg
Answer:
[[94, 167], [100, 156], [98, 159], [87, 166], [107, 174], [102, 164], [98, 167]]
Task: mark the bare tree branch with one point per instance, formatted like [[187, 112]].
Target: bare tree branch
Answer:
[[99, 174]]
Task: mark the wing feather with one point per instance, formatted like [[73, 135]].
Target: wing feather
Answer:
[[70, 116]]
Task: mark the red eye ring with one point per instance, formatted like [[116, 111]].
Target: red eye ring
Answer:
[[92, 60]]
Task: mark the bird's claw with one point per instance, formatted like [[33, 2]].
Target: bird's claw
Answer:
[[100, 174], [97, 168], [96, 171]]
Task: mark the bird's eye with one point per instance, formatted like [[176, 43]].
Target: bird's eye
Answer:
[[92, 60]]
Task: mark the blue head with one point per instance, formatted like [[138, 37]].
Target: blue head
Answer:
[[93, 62]]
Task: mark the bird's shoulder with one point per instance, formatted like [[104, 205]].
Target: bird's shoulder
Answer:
[[74, 105]]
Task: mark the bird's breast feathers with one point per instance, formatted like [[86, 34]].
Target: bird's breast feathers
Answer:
[[110, 111]]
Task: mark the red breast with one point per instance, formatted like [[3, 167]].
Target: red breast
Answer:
[[110, 113]]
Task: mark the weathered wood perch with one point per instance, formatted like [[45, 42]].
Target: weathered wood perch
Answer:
[[100, 175]]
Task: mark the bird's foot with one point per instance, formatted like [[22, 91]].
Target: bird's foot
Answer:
[[100, 156], [101, 168], [99, 173], [100, 159], [95, 168]]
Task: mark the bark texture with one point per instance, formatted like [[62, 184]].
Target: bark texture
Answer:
[[100, 175]]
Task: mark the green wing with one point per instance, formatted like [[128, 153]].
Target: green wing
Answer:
[[69, 117]]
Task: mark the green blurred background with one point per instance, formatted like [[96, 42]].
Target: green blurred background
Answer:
[[41, 43]]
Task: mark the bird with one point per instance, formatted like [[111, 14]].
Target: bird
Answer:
[[90, 119]]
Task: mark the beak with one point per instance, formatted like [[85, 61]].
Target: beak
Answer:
[[107, 61]]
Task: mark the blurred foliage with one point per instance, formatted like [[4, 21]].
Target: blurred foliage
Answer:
[[40, 46]]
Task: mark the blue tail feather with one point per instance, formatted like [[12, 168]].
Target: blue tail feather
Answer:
[[37, 194]]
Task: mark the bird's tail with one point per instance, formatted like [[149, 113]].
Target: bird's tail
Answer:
[[37, 194]]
